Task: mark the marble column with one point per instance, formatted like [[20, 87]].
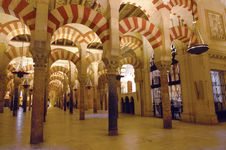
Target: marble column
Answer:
[[163, 67], [46, 94], [16, 95], [138, 81], [2, 91], [38, 100], [112, 74], [40, 47], [82, 77], [30, 99], [95, 88], [145, 82], [65, 101], [82, 99], [24, 104], [71, 103]]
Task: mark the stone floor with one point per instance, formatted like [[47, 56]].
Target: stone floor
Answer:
[[65, 132]]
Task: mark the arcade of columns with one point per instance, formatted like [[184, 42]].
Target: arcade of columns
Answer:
[[124, 39]]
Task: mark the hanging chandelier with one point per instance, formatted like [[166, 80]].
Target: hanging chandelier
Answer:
[[20, 71], [173, 53], [199, 47], [26, 84], [153, 66]]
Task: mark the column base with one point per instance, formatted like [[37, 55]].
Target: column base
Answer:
[[82, 118], [167, 123], [186, 117], [95, 111], [207, 119], [1, 110], [1, 107], [113, 132], [148, 114], [36, 140]]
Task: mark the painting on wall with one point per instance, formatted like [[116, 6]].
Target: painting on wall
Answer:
[[216, 25]]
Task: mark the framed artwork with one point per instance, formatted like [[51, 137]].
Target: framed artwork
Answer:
[[216, 25]]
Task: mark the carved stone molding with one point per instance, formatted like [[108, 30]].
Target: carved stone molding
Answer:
[[82, 79], [217, 56], [112, 65], [163, 65], [40, 60]]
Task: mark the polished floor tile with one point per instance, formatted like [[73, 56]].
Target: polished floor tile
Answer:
[[65, 132]]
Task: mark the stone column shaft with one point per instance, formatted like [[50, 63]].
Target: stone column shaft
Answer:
[[25, 98], [82, 75], [30, 99], [82, 100], [112, 105], [38, 104], [2, 91], [166, 105], [16, 96], [96, 98]]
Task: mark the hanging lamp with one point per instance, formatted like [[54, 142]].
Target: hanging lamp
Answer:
[[153, 66], [200, 47], [20, 71], [173, 53]]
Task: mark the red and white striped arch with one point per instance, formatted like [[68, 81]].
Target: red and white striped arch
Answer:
[[14, 52], [138, 6], [56, 83], [20, 9], [91, 37], [190, 5], [58, 68], [56, 77], [145, 28], [14, 28], [69, 33], [60, 74], [62, 54], [130, 42], [182, 33], [74, 35], [78, 14], [130, 60]]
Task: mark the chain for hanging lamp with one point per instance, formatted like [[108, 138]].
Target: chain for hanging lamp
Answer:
[[20, 71], [199, 47]]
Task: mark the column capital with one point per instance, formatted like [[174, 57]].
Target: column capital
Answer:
[[82, 79], [112, 65], [40, 60], [163, 65]]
